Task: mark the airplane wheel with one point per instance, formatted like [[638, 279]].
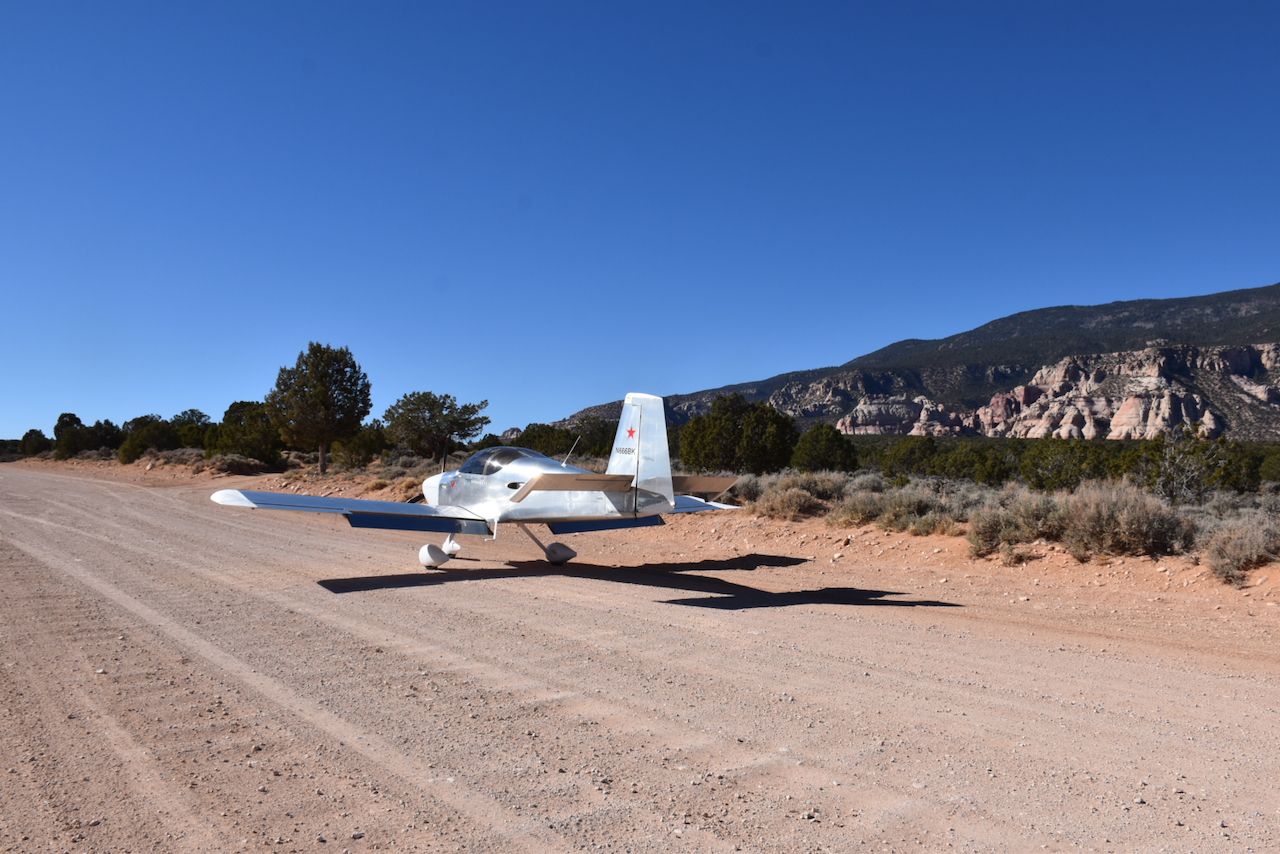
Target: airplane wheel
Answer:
[[559, 553], [431, 556]]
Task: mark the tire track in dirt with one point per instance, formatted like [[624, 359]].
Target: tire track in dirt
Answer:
[[475, 805]]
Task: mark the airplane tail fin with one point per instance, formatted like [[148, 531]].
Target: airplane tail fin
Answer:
[[640, 450]]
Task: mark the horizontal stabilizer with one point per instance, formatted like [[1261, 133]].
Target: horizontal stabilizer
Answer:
[[689, 504], [575, 482], [558, 528], [699, 484]]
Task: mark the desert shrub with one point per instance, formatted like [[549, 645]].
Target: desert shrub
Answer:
[[1034, 516], [392, 473], [1238, 545], [378, 484], [1010, 555], [933, 522], [990, 528], [790, 504], [866, 481], [235, 464], [824, 485], [400, 460], [178, 456], [748, 488], [300, 459], [1223, 505], [859, 508], [962, 497], [903, 507], [1118, 518]]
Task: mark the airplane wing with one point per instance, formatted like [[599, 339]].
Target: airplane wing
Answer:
[[359, 513], [575, 482]]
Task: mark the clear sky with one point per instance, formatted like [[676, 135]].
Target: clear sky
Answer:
[[549, 204]]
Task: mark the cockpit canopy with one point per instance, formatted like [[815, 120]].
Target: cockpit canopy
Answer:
[[493, 460]]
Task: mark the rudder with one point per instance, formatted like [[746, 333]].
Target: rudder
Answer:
[[640, 450]]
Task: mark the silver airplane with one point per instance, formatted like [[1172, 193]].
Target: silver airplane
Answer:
[[525, 487]]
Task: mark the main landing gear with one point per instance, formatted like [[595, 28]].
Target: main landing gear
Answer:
[[557, 553], [433, 556]]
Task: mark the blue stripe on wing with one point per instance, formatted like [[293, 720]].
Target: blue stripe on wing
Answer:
[[603, 524], [441, 524]]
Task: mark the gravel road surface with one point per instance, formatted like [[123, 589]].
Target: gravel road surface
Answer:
[[176, 675]]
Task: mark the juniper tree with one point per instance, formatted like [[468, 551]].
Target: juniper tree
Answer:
[[323, 398]]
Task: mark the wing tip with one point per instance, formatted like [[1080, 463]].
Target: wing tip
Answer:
[[231, 498]]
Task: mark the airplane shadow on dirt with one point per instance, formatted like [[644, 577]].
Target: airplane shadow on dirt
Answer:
[[718, 593]]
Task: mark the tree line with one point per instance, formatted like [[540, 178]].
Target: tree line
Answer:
[[322, 402], [736, 436]]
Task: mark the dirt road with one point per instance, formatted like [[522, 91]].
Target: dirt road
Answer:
[[181, 676]]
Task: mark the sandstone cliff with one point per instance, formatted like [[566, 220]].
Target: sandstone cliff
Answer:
[[1130, 395]]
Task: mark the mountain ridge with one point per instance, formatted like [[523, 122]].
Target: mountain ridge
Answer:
[[1060, 370]]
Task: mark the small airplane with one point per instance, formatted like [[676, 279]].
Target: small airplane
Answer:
[[525, 487]]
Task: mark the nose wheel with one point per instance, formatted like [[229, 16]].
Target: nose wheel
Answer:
[[557, 554]]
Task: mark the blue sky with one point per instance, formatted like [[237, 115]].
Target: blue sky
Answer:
[[550, 204]]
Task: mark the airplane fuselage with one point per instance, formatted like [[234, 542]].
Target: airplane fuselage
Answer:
[[486, 483]]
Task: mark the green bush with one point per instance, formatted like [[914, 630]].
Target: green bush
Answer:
[[1269, 467], [132, 448], [34, 442], [547, 439], [1053, 464], [823, 447], [358, 451], [737, 436], [246, 430]]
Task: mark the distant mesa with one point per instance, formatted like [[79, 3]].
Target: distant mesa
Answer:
[[1125, 370]]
